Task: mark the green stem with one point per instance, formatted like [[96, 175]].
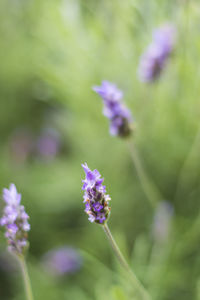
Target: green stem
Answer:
[[150, 190], [26, 279], [188, 165], [137, 284]]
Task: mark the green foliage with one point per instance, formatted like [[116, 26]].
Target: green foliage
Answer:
[[51, 54]]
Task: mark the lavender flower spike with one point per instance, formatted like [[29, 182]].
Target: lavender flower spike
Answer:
[[15, 220], [95, 197], [154, 60], [114, 109]]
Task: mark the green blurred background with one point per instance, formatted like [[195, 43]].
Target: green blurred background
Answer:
[[51, 54]]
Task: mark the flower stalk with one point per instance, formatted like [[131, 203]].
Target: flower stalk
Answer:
[[26, 279], [150, 190], [137, 284]]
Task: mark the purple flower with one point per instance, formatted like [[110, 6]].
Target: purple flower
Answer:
[[108, 91], [153, 61], [101, 217], [62, 261], [97, 206], [48, 144], [15, 220], [114, 109], [21, 144], [95, 199]]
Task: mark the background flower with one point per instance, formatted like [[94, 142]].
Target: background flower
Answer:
[[15, 221], [62, 261], [114, 109], [154, 60]]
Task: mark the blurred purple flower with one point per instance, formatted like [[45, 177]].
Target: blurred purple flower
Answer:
[[62, 261], [48, 144], [95, 199], [162, 221], [15, 220], [21, 144], [114, 109], [153, 61]]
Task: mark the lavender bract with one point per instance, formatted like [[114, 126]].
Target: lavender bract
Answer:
[[114, 109], [95, 197], [153, 61], [15, 220]]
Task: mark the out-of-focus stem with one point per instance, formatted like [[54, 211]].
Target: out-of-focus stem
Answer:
[[26, 279], [150, 190], [185, 170], [139, 288]]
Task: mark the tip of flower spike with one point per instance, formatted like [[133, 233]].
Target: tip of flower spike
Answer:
[[85, 167], [167, 33], [108, 91], [13, 188], [88, 171], [96, 89], [104, 84], [11, 195]]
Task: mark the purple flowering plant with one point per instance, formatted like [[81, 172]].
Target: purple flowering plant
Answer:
[[114, 109], [96, 206], [15, 221], [154, 59], [95, 197]]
